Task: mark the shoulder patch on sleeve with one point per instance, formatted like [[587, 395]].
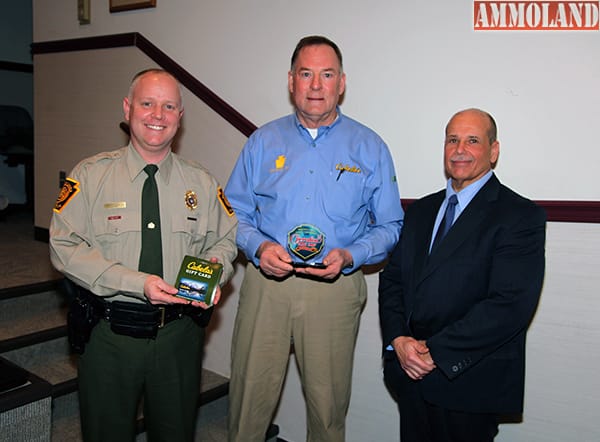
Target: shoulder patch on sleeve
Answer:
[[69, 189], [224, 202]]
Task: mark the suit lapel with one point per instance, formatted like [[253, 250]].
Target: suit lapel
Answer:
[[424, 231], [462, 229]]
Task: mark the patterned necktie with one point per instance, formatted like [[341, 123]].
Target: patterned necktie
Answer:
[[446, 222], [151, 254]]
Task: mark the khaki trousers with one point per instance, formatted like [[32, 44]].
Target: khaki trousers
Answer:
[[116, 371], [322, 318]]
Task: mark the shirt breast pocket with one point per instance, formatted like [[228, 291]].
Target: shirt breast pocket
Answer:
[[189, 229], [345, 196], [113, 228]]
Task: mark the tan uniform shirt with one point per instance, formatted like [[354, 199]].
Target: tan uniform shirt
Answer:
[[95, 232]]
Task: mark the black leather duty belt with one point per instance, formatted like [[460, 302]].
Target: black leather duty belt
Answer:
[[126, 318], [134, 311], [135, 319]]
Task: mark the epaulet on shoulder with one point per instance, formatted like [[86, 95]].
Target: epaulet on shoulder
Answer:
[[191, 163], [194, 165], [102, 157]]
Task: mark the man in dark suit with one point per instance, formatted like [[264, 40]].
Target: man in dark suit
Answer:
[[454, 314]]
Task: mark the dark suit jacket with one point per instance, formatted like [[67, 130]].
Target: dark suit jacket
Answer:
[[471, 300]]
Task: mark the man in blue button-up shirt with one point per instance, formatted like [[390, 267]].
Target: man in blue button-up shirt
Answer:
[[316, 198]]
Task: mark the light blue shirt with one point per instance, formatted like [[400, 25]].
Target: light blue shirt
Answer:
[[343, 182], [464, 198]]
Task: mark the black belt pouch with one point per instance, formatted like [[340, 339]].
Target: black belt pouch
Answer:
[[135, 320]]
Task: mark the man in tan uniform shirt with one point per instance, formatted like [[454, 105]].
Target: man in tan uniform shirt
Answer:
[[95, 241]]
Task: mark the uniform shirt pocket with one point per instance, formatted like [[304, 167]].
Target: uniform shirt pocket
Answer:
[[118, 235], [189, 229], [112, 227]]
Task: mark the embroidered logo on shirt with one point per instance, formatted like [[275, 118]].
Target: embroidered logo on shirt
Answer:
[[280, 162], [224, 202], [69, 189], [345, 168]]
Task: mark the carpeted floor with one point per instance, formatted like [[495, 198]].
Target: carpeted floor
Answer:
[[23, 260]]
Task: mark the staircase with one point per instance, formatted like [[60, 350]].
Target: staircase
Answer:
[[33, 342]]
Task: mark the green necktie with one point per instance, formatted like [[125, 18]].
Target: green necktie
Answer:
[[151, 253]]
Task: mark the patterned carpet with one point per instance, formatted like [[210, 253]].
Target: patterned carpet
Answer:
[[23, 260]]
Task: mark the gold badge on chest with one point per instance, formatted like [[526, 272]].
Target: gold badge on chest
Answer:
[[191, 200]]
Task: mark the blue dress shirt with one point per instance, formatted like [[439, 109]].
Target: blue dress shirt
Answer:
[[343, 182]]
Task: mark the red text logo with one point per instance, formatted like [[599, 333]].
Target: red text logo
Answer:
[[536, 16]]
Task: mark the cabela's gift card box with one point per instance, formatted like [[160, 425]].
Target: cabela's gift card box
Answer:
[[198, 279]]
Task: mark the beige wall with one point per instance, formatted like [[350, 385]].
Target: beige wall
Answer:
[[409, 65], [77, 114], [78, 104]]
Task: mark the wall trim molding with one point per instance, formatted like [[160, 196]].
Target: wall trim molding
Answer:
[[557, 211], [572, 211]]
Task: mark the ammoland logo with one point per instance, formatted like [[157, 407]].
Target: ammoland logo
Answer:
[[536, 16]]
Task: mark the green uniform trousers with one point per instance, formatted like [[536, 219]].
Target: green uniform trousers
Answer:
[[116, 372], [322, 318]]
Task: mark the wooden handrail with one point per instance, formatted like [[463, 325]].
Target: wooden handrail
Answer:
[[17, 67], [211, 99]]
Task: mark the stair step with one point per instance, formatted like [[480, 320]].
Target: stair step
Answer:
[[31, 318], [213, 386], [50, 360], [28, 289], [65, 418], [211, 424], [24, 410], [53, 362], [33, 336], [65, 409], [33, 326]]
